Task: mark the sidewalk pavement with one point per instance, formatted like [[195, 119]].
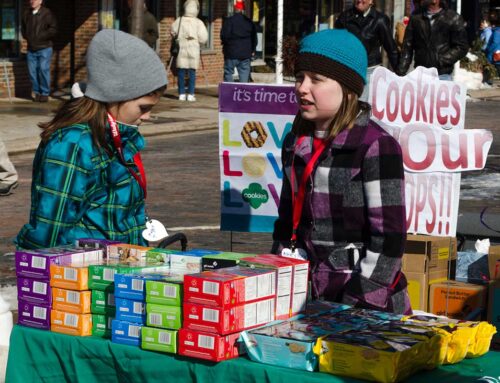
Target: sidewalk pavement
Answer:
[[19, 118]]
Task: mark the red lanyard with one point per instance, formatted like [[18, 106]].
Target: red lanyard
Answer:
[[298, 201], [117, 141]]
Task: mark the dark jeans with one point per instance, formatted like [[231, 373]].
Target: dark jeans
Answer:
[[39, 70], [243, 67], [181, 73]]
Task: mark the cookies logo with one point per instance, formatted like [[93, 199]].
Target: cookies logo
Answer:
[[255, 195]]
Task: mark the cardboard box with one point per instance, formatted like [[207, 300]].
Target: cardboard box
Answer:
[[34, 290], [222, 260], [472, 267], [439, 250], [416, 270], [196, 344], [72, 277], [186, 261], [101, 325], [494, 308], [158, 255], [493, 258], [95, 243], [33, 315], [458, 300], [71, 301], [225, 321], [71, 324], [103, 302], [125, 333], [36, 263], [163, 316], [164, 289], [130, 311], [129, 253], [130, 286], [292, 282], [230, 286], [161, 340]]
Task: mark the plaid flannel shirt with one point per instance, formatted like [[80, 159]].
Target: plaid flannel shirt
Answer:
[[355, 197], [79, 191]]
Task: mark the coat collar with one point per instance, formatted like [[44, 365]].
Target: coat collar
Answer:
[[132, 140]]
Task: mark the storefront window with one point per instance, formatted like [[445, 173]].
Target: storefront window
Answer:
[[9, 29], [206, 12]]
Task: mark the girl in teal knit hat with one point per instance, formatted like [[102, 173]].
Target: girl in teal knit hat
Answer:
[[342, 203]]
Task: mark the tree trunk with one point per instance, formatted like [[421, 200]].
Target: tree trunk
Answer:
[[137, 27]]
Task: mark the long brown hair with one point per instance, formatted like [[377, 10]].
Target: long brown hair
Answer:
[[83, 110], [344, 119]]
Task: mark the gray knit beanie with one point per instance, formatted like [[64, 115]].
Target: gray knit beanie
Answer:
[[121, 67]]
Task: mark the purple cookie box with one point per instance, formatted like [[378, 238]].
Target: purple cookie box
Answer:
[[31, 315], [36, 263], [96, 243], [29, 289]]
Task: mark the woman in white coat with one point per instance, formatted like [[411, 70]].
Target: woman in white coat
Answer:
[[191, 32]]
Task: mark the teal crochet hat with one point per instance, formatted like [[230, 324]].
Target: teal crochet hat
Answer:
[[337, 54]]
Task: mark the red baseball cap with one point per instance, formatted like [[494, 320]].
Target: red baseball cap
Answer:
[[239, 5]]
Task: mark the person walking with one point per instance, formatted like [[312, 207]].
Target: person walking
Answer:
[[150, 27], [88, 177], [39, 27], [373, 29], [342, 203], [436, 36], [190, 31], [8, 173], [239, 40]]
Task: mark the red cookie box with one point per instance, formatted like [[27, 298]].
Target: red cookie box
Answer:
[[214, 347], [230, 286], [225, 321]]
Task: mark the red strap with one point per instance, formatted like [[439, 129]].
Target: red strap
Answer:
[[395, 283], [117, 141], [298, 201]]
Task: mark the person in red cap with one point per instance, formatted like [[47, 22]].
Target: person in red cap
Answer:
[[239, 39]]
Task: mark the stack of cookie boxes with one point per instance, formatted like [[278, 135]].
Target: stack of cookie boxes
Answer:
[[51, 284], [219, 304], [123, 259]]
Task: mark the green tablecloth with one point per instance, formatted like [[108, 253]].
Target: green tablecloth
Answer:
[[43, 356]]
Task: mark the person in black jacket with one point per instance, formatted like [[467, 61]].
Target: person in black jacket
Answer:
[[239, 39], [39, 27], [436, 36], [374, 30]]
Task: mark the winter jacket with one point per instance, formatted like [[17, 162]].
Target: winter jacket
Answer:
[[493, 45], [79, 191], [239, 37], [438, 46], [374, 31], [355, 197], [192, 33], [39, 29]]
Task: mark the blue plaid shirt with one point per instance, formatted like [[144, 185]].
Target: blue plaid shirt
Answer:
[[79, 191]]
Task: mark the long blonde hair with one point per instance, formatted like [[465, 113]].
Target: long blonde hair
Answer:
[[83, 110], [344, 119]]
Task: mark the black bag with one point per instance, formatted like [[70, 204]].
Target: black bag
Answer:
[[175, 48]]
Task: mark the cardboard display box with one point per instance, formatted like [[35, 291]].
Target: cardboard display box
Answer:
[[103, 302], [34, 315], [494, 308], [493, 258], [71, 277], [458, 300], [34, 290], [71, 324], [125, 333], [163, 316], [416, 270], [157, 339], [130, 311], [207, 346], [71, 301], [439, 250], [101, 325]]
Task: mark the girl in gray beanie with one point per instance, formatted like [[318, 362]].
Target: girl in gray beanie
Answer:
[[88, 178]]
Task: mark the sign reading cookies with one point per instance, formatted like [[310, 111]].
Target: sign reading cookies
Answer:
[[253, 122]]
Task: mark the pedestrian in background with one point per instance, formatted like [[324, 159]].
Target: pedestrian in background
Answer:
[[374, 30], [342, 203], [485, 32], [190, 32], [150, 27], [39, 27], [239, 40], [8, 173], [436, 36], [88, 178], [493, 46]]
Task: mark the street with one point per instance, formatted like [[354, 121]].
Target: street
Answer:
[[183, 189]]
